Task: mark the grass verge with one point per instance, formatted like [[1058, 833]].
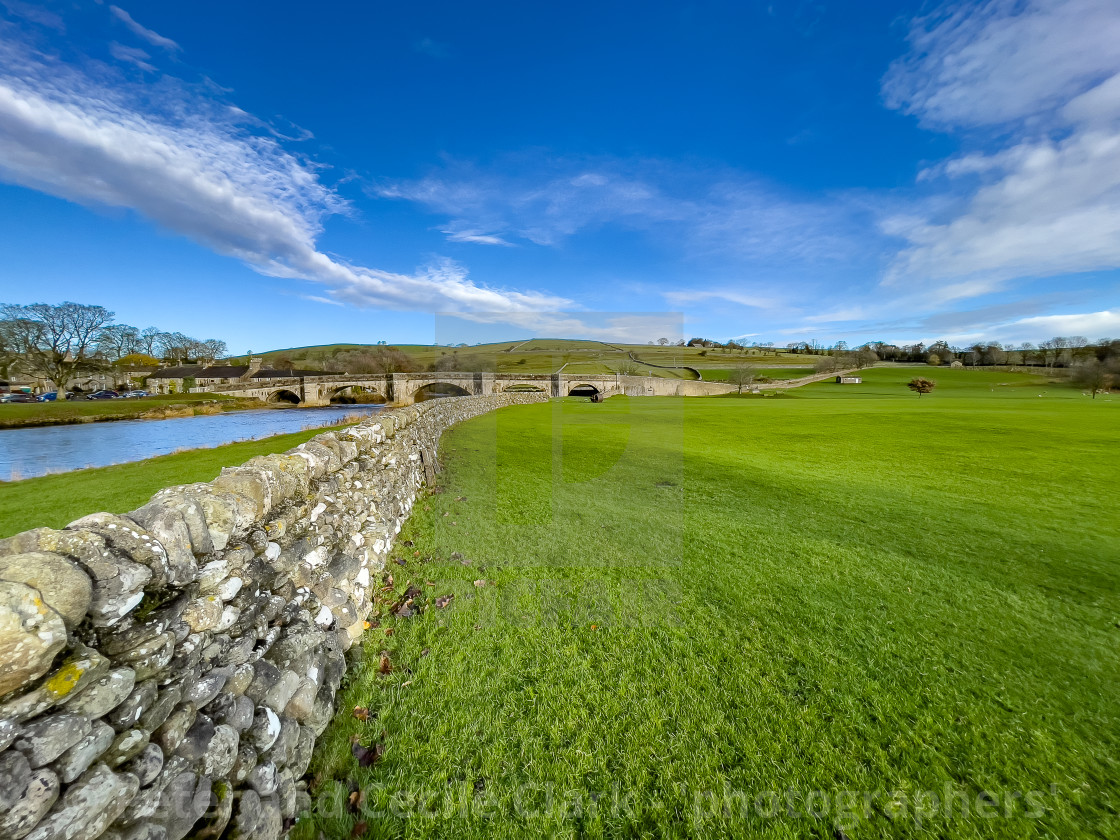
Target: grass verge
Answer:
[[54, 500], [64, 412]]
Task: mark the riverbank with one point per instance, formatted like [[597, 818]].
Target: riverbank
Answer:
[[67, 412], [52, 501]]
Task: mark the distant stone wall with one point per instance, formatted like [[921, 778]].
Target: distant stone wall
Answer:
[[167, 672]]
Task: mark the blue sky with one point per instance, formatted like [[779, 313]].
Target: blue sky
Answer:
[[280, 175]]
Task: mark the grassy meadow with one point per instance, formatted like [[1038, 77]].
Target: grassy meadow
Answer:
[[843, 611]]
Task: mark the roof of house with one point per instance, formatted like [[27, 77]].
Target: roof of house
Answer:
[[179, 372]]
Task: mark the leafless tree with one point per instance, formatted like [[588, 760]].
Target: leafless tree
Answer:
[[743, 375], [148, 342], [386, 360], [117, 340], [57, 340], [1095, 375]]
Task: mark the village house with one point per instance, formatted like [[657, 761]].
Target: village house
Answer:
[[181, 379]]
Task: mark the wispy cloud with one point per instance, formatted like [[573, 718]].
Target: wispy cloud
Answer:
[[34, 14], [545, 200], [691, 297], [132, 55], [191, 164], [1045, 74], [153, 38]]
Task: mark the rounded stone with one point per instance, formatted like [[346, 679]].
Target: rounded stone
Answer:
[[46, 738], [262, 779], [31, 633], [76, 760], [88, 807], [265, 729], [37, 798], [146, 765], [221, 754], [62, 584], [15, 773], [103, 695]]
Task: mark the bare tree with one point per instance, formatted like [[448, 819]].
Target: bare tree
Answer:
[[117, 340], [10, 347], [627, 367], [148, 342], [386, 360], [58, 340], [743, 375], [212, 348], [1094, 375], [662, 341]]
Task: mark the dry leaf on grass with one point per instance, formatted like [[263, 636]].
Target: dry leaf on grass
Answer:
[[367, 756]]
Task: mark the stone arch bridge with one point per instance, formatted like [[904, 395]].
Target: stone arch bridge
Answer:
[[408, 388]]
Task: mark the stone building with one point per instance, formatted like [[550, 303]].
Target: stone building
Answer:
[[181, 379]]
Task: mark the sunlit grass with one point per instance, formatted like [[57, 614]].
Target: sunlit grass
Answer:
[[691, 603]]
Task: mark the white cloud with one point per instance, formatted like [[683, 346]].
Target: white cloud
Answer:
[[194, 169], [1095, 325], [1004, 60], [1048, 202], [153, 38]]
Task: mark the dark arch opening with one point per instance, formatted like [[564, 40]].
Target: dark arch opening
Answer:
[[285, 396], [583, 391], [435, 390], [357, 395]]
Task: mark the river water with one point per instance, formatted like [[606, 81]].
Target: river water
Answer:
[[26, 453]]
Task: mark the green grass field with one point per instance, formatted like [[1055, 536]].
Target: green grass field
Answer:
[[842, 608], [775, 373], [54, 500]]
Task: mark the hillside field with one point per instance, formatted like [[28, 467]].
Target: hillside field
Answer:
[[840, 611], [549, 355]]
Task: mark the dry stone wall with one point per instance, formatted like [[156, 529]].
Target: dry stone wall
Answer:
[[166, 672]]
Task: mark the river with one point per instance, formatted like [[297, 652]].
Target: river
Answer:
[[26, 453]]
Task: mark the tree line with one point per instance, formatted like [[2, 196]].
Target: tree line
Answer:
[[60, 342]]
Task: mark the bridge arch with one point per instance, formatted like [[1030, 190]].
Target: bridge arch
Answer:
[[356, 394], [283, 395], [582, 389], [435, 390]]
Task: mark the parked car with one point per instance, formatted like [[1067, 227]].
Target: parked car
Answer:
[[132, 395], [103, 395], [50, 396], [17, 397]]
